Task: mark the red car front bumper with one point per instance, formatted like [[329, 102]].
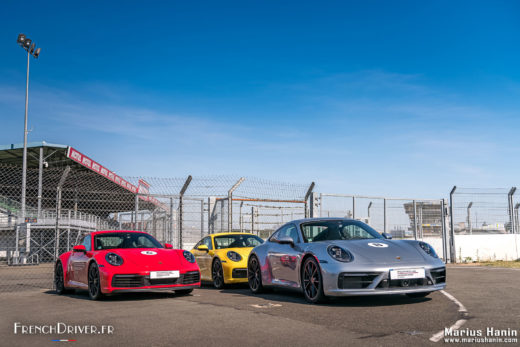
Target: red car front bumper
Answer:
[[130, 282]]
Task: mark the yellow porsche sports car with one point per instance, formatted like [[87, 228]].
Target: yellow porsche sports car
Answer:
[[222, 258]]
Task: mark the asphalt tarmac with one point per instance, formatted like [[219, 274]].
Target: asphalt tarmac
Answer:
[[234, 316]]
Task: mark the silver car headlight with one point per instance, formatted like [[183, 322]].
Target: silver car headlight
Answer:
[[114, 259], [234, 256], [340, 254], [428, 249]]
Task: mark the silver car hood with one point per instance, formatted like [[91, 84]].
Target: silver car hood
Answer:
[[381, 251]]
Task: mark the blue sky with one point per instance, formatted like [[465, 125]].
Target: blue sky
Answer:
[[402, 98]]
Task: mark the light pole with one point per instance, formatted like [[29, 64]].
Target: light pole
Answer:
[[31, 49]]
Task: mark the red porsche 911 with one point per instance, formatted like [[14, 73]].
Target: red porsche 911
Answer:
[[116, 261]]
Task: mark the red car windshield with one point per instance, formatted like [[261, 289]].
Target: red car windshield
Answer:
[[125, 240]]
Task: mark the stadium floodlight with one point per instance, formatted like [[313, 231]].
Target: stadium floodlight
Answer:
[[21, 39], [27, 44]]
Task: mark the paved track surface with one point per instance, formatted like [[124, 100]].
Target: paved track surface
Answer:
[[235, 317]]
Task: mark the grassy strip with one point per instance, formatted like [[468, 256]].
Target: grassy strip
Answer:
[[497, 263]]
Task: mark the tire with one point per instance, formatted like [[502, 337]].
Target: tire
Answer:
[[59, 280], [312, 281], [418, 295], [217, 274], [94, 284], [254, 276], [183, 291]]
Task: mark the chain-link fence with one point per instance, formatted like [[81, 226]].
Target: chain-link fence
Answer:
[[482, 211], [401, 218], [417, 219], [65, 203], [484, 224]]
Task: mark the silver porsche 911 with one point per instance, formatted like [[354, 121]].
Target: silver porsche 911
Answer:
[[341, 257]]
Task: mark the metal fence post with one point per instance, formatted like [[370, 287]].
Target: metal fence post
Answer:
[[353, 207], [511, 212], [68, 232], [40, 182], [321, 204], [201, 218], [230, 203], [453, 252], [421, 221], [170, 236], [17, 240], [312, 206], [469, 217], [136, 212], [517, 206], [211, 214], [58, 211], [181, 194], [252, 219], [306, 198], [241, 218], [443, 230], [221, 215], [384, 215], [415, 219]]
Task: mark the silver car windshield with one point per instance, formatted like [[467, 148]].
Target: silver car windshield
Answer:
[[329, 230]]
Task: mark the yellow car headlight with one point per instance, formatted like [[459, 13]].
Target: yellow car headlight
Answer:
[[234, 256]]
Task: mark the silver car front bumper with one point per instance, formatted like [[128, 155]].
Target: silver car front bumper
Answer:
[[370, 280]]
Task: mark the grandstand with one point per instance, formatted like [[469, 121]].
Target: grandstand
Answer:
[[92, 198]]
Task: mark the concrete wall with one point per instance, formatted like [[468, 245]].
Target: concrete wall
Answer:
[[482, 247]]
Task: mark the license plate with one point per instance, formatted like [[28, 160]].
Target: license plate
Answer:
[[164, 274], [404, 274]]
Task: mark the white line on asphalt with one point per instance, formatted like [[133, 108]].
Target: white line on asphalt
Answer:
[[268, 305], [462, 309]]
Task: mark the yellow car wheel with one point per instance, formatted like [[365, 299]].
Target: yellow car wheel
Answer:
[[217, 274]]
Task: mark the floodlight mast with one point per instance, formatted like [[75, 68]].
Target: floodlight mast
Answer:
[[31, 49]]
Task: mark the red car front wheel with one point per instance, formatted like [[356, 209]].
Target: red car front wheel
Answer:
[[94, 284]]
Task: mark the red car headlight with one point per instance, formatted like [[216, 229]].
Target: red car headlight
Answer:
[[114, 259], [188, 256]]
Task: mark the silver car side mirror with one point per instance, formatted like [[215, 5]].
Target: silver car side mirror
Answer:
[[285, 240]]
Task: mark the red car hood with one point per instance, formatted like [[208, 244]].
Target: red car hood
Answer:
[[155, 259]]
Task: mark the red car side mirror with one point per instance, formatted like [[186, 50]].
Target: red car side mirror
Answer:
[[79, 248], [168, 246]]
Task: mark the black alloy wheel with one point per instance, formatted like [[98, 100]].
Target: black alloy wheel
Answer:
[[217, 274], [254, 275], [59, 282], [312, 282], [94, 285]]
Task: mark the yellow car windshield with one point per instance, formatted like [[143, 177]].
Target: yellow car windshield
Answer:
[[237, 241]]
